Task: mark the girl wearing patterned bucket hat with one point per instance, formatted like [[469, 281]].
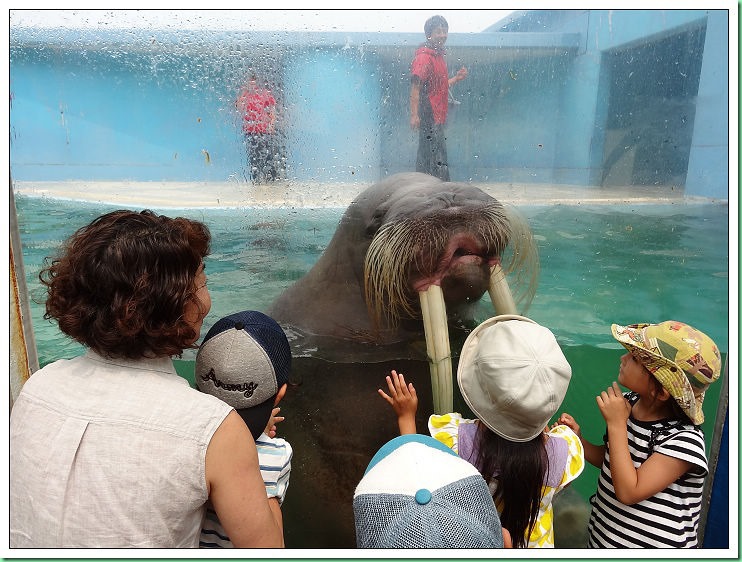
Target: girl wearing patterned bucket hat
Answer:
[[653, 459], [513, 376]]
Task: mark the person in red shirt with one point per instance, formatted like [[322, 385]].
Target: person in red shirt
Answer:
[[257, 106], [429, 98]]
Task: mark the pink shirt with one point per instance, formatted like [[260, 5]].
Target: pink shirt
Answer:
[[258, 110], [429, 66]]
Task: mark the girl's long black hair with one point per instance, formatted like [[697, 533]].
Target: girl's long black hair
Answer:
[[517, 472]]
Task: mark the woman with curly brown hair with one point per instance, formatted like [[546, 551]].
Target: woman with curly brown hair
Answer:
[[112, 448]]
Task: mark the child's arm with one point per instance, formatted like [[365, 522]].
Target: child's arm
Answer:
[[403, 398], [633, 485], [593, 453]]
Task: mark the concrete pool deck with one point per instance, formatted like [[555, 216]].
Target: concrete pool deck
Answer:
[[180, 195]]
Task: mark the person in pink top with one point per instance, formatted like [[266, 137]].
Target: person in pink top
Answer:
[[429, 98], [257, 106]]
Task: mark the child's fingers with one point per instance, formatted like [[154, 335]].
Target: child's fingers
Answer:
[[391, 384], [613, 390], [403, 388], [386, 397], [399, 383], [569, 421], [400, 380]]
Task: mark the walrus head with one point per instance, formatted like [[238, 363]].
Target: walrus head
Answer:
[[410, 255], [453, 240]]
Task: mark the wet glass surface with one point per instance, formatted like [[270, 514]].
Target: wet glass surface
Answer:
[[625, 111]]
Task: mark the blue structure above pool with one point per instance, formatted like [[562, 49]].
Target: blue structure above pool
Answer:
[[590, 98]]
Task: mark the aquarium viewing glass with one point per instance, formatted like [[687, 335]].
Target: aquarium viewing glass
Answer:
[[607, 130]]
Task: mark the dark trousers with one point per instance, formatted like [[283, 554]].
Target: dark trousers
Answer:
[[265, 157], [431, 151]]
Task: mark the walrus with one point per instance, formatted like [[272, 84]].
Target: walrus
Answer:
[[411, 255]]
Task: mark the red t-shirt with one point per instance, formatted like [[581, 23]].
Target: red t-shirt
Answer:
[[258, 110], [429, 66]]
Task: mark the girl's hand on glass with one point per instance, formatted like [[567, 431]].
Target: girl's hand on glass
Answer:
[[402, 396]]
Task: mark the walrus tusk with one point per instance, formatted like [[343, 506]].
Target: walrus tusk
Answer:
[[429, 342], [435, 322], [502, 298]]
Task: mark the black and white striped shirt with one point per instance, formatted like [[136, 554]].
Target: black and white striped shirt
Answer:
[[667, 519]]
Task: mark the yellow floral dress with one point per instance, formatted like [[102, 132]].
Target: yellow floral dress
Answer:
[[566, 456]]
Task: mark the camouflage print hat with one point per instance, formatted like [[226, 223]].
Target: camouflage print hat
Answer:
[[682, 358]]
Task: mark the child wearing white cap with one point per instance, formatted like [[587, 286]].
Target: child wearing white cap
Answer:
[[652, 460], [245, 360], [513, 376]]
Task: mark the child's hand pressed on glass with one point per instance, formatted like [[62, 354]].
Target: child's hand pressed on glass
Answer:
[[402, 398]]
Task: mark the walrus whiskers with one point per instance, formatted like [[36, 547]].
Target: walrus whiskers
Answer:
[[408, 245], [521, 258], [385, 284]]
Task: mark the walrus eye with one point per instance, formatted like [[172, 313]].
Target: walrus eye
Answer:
[[375, 223]]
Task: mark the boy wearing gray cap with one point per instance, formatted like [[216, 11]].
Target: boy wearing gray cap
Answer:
[[513, 376], [245, 360]]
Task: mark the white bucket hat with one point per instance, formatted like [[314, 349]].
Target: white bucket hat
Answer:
[[513, 375]]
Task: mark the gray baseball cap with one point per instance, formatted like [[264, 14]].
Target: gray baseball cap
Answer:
[[244, 360]]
